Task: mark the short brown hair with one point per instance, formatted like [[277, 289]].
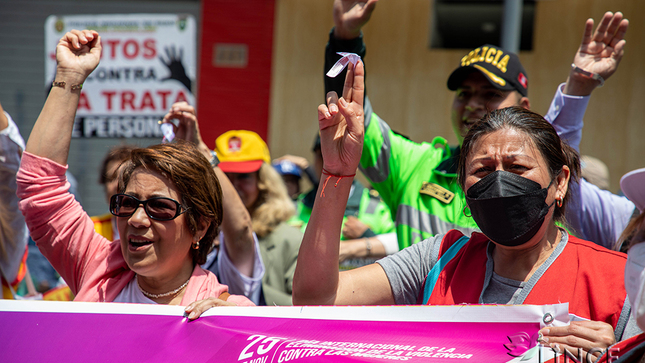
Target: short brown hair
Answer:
[[555, 151], [194, 178]]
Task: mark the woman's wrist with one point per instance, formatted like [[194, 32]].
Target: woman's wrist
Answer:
[[64, 85], [204, 149], [337, 174], [368, 247], [70, 76], [327, 175]]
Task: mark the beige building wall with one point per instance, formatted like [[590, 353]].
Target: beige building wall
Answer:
[[406, 80]]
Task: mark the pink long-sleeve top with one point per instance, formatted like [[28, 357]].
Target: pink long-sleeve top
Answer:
[[92, 266]]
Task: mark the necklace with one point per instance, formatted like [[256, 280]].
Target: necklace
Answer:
[[169, 293]]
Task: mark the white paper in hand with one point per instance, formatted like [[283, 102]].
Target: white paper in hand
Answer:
[[342, 63], [168, 132]]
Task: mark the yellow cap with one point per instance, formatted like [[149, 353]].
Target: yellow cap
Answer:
[[241, 151]]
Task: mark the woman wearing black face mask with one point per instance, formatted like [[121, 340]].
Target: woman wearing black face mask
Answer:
[[515, 171]]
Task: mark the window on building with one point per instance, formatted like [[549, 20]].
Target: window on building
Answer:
[[466, 24]]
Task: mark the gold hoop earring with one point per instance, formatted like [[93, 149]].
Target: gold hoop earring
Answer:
[[464, 212]]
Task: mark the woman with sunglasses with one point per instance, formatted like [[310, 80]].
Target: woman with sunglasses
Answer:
[[168, 209]]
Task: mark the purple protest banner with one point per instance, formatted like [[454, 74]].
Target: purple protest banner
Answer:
[[32, 331]]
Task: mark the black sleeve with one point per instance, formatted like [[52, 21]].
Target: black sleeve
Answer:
[[334, 45]]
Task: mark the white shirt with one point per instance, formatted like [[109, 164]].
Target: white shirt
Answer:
[[237, 282], [132, 294]]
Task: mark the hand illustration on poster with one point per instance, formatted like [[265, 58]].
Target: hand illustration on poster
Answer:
[[176, 67]]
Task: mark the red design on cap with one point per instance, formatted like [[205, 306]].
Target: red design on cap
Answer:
[[234, 144], [522, 79]]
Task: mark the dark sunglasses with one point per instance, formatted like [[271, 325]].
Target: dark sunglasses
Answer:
[[157, 208]]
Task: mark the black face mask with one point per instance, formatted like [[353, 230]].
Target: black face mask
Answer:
[[508, 208]]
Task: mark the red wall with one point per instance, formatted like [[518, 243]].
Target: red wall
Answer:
[[232, 96]]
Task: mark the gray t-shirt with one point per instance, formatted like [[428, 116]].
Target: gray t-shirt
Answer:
[[407, 271], [502, 290]]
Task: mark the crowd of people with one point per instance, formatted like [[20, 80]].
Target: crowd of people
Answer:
[[503, 217]]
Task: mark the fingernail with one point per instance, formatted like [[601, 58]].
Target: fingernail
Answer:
[[556, 347], [192, 316], [333, 108], [327, 114], [342, 102]]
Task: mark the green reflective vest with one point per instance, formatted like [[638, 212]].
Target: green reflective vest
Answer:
[[417, 181]]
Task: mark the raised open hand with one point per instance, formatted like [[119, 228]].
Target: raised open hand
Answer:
[[176, 67], [350, 16], [601, 51], [341, 124], [77, 54]]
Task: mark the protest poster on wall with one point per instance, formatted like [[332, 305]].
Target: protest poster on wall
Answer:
[[147, 64], [102, 332]]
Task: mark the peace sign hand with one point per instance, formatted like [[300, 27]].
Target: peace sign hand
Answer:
[[341, 124]]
